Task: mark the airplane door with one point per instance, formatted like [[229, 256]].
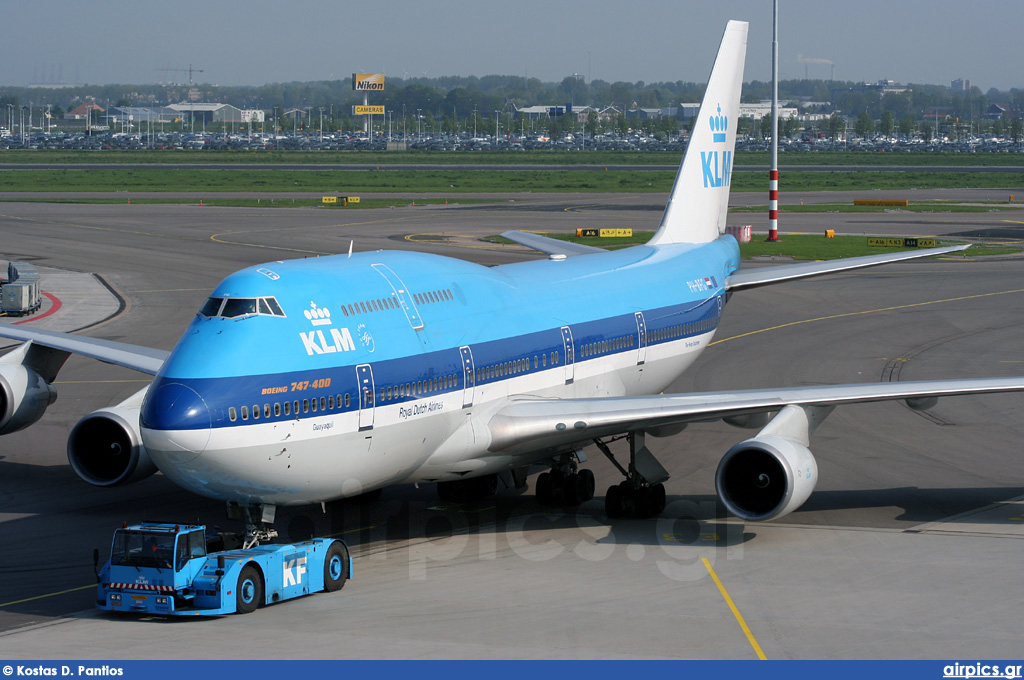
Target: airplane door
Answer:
[[468, 377], [364, 377], [641, 334], [404, 296], [570, 362]]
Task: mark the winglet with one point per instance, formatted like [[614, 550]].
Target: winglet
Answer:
[[699, 201]]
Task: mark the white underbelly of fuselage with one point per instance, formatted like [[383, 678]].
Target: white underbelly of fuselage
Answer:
[[318, 458]]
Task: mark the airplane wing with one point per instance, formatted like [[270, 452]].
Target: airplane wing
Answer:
[[762, 277], [551, 246], [525, 423], [143, 359]]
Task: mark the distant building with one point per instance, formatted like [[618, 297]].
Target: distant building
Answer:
[[140, 114], [207, 113], [960, 85], [994, 112], [551, 111], [81, 112], [759, 110]]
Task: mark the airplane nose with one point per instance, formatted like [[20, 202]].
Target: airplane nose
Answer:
[[181, 416]]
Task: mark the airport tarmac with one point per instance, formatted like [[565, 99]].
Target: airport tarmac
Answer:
[[910, 547]]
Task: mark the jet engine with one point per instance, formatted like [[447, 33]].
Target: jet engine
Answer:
[[25, 389], [766, 477], [24, 397], [105, 447], [772, 474]]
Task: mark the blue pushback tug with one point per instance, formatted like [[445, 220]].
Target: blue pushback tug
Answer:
[[162, 568]]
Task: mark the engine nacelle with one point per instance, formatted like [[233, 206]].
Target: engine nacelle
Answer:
[[766, 477], [105, 447], [24, 397]]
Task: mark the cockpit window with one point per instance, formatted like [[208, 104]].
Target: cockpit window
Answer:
[[275, 309], [233, 308], [212, 307], [238, 307]]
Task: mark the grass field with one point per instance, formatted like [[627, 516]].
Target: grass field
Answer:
[[796, 246], [466, 181]]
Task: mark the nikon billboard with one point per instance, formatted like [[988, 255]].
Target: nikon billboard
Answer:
[[368, 82]]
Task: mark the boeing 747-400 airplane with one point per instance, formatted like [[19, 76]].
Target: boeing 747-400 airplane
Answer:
[[311, 380]]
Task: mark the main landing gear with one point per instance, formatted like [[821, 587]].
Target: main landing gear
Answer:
[[642, 493], [565, 484]]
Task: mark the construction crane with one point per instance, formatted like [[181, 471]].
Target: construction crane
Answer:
[[188, 70]]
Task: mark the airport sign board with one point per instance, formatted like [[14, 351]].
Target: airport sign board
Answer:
[[367, 110], [604, 233], [884, 242], [368, 82]]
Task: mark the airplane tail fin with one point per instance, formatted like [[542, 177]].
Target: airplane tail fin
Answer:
[[699, 202]]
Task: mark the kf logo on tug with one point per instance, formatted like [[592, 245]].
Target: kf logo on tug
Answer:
[[293, 571]]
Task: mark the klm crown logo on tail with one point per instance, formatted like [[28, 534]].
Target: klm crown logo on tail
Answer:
[[717, 167]]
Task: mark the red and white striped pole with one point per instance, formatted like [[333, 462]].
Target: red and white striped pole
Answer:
[[773, 173], [773, 203]]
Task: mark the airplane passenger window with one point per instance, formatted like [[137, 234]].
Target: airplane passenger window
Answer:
[[212, 307], [305, 406], [232, 414], [266, 410], [255, 411], [287, 408], [344, 310], [245, 413], [314, 405], [277, 409], [295, 407], [348, 399]]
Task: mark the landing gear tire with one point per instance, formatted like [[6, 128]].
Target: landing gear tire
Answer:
[[586, 485], [642, 502], [336, 567], [650, 501], [613, 503], [545, 495], [249, 592], [557, 488]]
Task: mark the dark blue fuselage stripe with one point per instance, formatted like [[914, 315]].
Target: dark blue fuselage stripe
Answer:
[[666, 324]]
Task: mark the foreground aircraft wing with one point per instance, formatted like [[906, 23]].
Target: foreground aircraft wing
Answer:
[[551, 246], [144, 359], [762, 277], [525, 422]]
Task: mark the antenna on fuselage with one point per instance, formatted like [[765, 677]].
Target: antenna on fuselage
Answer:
[[350, 244]]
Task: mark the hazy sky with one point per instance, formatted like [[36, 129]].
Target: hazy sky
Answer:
[[252, 42]]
